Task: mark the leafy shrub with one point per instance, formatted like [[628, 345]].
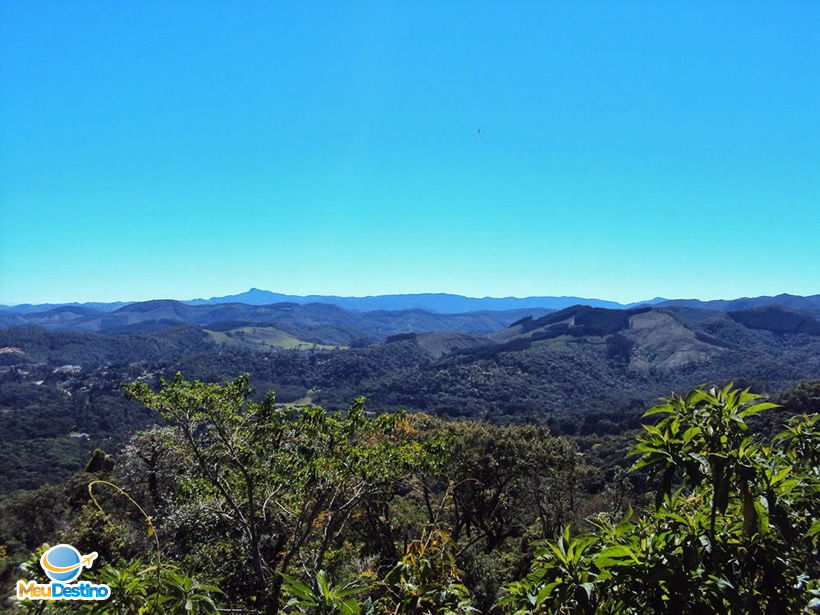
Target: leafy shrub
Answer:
[[734, 528]]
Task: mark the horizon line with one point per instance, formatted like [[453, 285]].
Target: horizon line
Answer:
[[657, 298]]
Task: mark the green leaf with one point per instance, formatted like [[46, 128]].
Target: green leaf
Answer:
[[654, 430], [694, 396], [752, 410], [780, 475], [559, 554], [691, 433], [762, 515], [321, 581], [615, 556], [545, 592], [298, 589], [667, 409], [351, 607], [348, 591]]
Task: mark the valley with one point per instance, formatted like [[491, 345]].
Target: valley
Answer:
[[578, 371]]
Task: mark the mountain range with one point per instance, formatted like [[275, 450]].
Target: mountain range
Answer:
[[445, 303], [330, 323], [508, 364]]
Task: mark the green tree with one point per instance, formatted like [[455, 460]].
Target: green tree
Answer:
[[287, 480]]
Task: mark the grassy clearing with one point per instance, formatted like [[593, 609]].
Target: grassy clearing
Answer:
[[262, 339]]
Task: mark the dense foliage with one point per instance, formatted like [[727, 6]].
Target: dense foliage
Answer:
[[238, 502], [734, 528]]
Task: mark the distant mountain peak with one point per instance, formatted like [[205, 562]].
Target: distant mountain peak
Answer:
[[442, 303]]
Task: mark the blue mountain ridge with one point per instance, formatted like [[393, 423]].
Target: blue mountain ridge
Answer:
[[447, 303]]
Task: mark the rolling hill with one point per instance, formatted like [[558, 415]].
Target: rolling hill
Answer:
[[809, 303], [581, 370], [322, 323]]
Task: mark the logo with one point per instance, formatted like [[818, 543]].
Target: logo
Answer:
[[63, 565]]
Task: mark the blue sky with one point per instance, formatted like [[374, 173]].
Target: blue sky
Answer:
[[621, 150]]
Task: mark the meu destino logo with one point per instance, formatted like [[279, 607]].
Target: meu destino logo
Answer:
[[63, 564]]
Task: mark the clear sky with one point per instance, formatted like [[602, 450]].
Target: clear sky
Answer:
[[620, 150]]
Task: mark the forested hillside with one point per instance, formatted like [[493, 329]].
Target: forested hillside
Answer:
[[580, 371]]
